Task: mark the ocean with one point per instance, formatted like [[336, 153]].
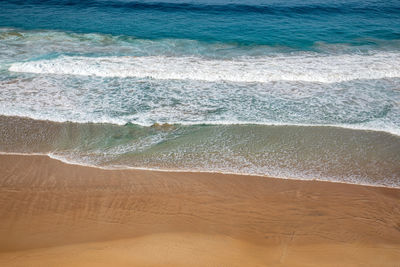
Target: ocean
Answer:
[[292, 89]]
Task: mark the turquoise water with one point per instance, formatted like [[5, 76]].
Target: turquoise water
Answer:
[[295, 89], [293, 23]]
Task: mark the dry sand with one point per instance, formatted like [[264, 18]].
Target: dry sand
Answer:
[[56, 214]]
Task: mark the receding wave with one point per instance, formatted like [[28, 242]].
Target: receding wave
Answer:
[[362, 104], [303, 67], [324, 153]]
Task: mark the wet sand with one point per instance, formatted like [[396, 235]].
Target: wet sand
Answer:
[[56, 214]]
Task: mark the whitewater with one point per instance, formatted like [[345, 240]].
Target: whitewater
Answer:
[[301, 89]]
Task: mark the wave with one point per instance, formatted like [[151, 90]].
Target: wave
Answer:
[[20, 45], [373, 126], [330, 154], [79, 163], [306, 67], [366, 104]]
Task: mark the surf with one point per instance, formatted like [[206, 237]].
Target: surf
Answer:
[[303, 67], [291, 152]]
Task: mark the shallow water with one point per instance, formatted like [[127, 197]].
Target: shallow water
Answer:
[[324, 153], [259, 88]]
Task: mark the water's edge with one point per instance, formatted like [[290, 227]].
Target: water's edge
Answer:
[[50, 156], [305, 153]]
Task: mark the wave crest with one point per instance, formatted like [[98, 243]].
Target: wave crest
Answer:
[[302, 67]]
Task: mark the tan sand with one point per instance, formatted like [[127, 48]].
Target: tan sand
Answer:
[[56, 214]]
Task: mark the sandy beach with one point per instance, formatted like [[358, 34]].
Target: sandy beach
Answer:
[[56, 214], [199, 133]]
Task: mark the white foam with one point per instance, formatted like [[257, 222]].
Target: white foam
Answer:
[[79, 162], [308, 67]]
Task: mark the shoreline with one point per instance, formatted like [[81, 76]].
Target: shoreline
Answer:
[[55, 213], [305, 153], [127, 168]]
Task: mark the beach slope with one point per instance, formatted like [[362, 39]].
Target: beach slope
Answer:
[[57, 214]]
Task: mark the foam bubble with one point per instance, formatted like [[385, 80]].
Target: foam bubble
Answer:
[[308, 67], [367, 105], [279, 151]]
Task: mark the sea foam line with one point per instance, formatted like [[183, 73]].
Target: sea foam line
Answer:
[[121, 122], [124, 167], [308, 67]]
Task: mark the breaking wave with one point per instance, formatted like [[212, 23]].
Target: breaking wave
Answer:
[[306, 67]]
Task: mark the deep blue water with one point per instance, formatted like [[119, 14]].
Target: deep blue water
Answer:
[[297, 24]]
